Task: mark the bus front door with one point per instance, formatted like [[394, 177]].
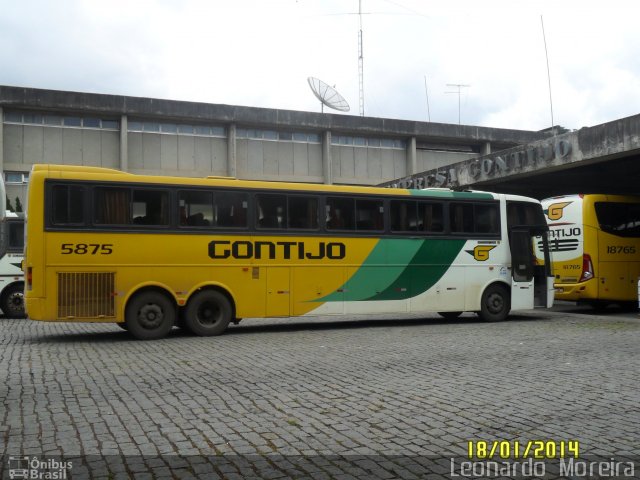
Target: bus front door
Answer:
[[523, 262]]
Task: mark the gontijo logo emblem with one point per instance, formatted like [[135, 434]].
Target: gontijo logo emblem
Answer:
[[481, 252], [556, 210]]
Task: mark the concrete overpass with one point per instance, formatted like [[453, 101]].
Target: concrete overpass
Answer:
[[600, 159]]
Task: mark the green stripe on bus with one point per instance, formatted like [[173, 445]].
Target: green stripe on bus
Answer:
[[428, 266], [398, 269], [386, 262]]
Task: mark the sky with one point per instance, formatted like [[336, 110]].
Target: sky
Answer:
[[260, 53]]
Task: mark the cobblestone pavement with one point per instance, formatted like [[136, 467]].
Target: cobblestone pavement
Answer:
[[307, 393]]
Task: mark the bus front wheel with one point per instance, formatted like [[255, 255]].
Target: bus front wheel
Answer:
[[208, 313], [496, 304], [150, 315]]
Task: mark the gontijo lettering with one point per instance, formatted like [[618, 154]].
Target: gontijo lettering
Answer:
[[244, 249]]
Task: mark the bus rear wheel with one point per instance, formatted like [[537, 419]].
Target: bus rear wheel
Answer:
[[12, 302], [150, 315], [208, 313], [496, 304]]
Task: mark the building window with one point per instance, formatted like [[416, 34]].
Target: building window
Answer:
[[91, 122], [369, 142], [16, 177], [54, 120], [299, 137], [176, 129]]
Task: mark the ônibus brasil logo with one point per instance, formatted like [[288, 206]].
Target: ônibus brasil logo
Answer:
[[36, 468]]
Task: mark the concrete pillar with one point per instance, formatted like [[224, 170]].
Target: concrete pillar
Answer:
[[232, 170], [486, 148], [1, 141], [326, 157], [124, 143], [412, 162]]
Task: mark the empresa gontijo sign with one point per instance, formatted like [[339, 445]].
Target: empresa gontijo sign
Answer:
[[286, 250], [488, 167]]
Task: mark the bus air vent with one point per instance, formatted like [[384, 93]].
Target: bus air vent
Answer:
[[86, 295]]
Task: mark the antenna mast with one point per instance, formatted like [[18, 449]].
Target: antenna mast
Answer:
[[426, 91], [360, 62], [459, 86], [553, 130]]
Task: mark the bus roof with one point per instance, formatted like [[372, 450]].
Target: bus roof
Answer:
[[72, 172], [595, 197]]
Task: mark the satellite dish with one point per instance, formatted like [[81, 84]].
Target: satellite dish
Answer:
[[327, 95]]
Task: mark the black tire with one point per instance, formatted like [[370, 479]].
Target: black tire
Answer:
[[208, 313], [12, 301], [449, 315], [599, 305], [496, 304], [150, 315], [629, 306]]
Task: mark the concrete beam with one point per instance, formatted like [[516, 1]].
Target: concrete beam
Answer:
[[55, 100], [1, 141], [586, 146]]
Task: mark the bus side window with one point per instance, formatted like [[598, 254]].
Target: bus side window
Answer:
[[486, 219], [112, 206], [196, 208], [16, 235], [150, 207], [67, 204], [369, 215], [461, 217], [432, 217], [403, 216], [303, 212], [271, 211], [340, 213], [230, 209]]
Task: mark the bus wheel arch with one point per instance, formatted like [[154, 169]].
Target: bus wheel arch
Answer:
[[495, 302], [12, 301], [209, 311], [150, 313]]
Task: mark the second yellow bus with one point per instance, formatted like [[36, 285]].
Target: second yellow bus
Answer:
[[595, 245]]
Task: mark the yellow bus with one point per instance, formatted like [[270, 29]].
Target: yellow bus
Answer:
[[595, 242], [152, 252]]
